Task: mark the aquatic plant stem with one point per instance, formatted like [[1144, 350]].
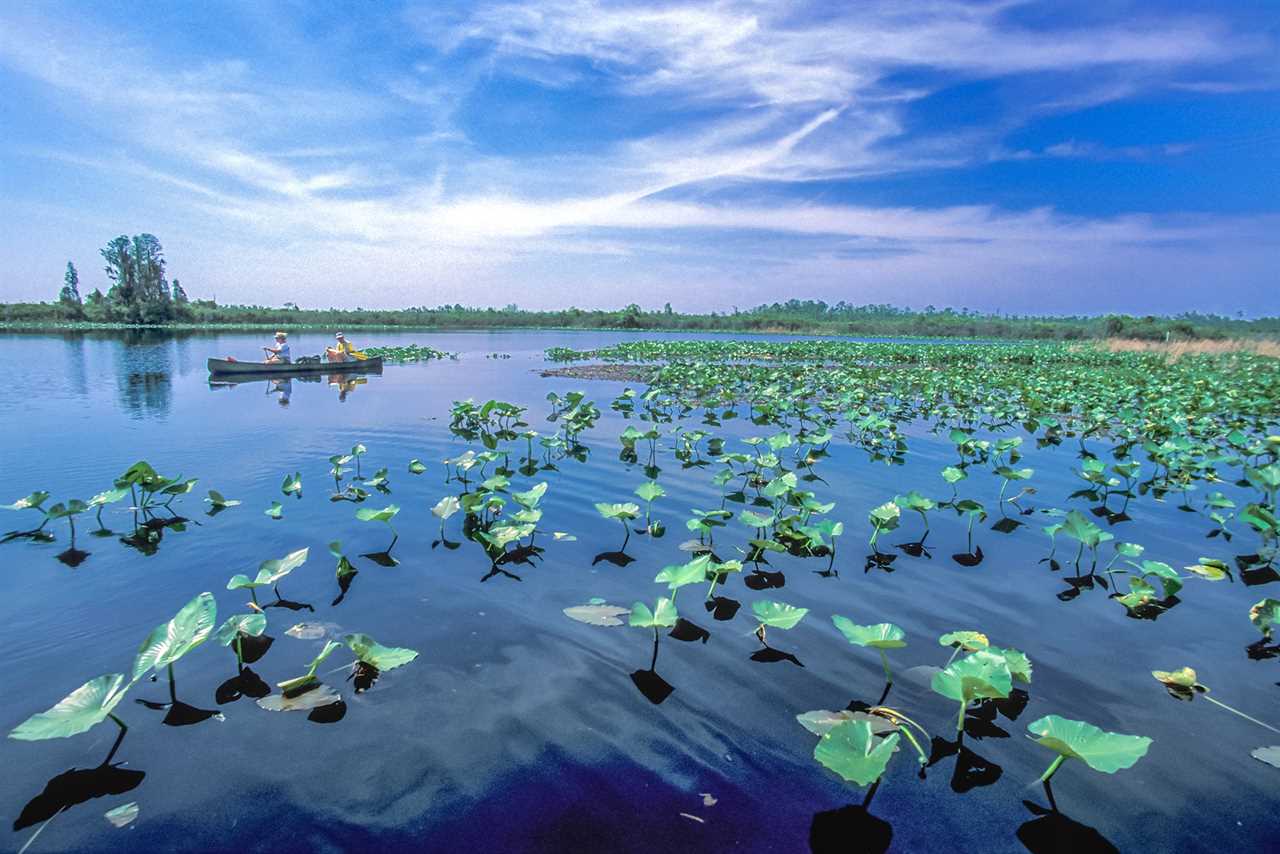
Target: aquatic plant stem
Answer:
[[924, 760], [1240, 713], [173, 690], [884, 660], [1052, 769], [124, 728]]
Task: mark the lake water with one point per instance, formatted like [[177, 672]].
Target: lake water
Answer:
[[518, 729]]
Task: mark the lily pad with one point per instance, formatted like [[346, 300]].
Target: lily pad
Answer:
[[968, 641], [79, 711], [373, 653], [303, 701], [171, 640], [880, 635], [777, 615], [663, 615], [307, 631], [1269, 755], [981, 675], [852, 750], [250, 625], [597, 614], [1103, 751], [822, 721]]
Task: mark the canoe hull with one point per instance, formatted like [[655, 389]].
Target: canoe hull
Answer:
[[221, 367]]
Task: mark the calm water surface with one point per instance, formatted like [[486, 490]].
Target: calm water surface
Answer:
[[518, 729]]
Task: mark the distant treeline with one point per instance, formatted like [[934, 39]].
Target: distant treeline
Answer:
[[797, 316], [140, 295]]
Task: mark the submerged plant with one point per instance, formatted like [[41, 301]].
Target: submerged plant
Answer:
[[880, 636], [1103, 751]]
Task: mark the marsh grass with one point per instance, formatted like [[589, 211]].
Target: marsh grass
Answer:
[[1177, 349]]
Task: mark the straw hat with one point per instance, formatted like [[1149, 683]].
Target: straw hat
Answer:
[[282, 335]]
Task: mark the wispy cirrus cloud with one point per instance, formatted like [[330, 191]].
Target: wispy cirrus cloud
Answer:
[[731, 124]]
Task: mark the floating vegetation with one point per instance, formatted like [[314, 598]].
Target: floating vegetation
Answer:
[[754, 425], [1103, 751], [407, 353]]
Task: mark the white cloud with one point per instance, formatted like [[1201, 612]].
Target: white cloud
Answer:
[[759, 104]]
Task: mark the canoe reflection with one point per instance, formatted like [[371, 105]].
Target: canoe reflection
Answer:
[[283, 387]]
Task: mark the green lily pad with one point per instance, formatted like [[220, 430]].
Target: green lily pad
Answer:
[[626, 510], [382, 657], [386, 514], [777, 615], [171, 640], [1103, 751], [851, 750], [822, 721], [693, 572], [650, 490], [1265, 616], [250, 625], [880, 635], [215, 498], [968, 641], [980, 675], [79, 711], [663, 615]]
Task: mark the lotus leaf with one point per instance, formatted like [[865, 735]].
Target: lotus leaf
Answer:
[[1103, 751], [852, 750], [82, 709]]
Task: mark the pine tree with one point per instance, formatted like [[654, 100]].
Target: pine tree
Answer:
[[70, 294]]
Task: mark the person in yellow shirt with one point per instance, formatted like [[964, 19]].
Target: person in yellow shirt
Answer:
[[343, 350]]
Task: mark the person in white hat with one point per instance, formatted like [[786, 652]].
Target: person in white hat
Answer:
[[280, 352]]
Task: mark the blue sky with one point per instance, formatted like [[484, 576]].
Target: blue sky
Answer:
[[1015, 156]]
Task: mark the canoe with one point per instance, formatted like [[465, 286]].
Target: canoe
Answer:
[[221, 367]]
